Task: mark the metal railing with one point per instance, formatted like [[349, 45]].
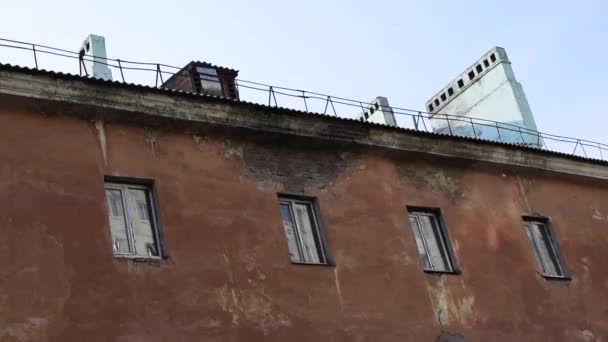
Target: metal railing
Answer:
[[154, 74]]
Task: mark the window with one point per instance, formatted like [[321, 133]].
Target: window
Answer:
[[431, 107], [479, 68], [471, 75], [443, 97], [304, 237], [133, 223], [460, 83], [493, 58], [485, 63], [210, 82], [450, 91], [546, 251], [432, 240]]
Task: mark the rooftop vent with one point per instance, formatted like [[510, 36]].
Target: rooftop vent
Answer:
[[205, 78], [93, 58]]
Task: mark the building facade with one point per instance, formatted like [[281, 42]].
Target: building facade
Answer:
[[130, 213]]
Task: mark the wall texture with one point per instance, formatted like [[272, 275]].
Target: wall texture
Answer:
[[228, 276]]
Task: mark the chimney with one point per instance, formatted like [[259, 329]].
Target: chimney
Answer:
[[93, 58], [379, 111]]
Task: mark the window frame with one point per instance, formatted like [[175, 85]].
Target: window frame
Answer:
[[446, 241], [554, 245], [123, 184], [319, 227], [203, 77]]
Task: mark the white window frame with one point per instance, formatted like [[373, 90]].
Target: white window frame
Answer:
[[444, 243], [313, 211], [552, 246], [152, 215]]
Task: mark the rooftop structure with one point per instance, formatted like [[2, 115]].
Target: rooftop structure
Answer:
[[487, 90], [205, 78], [380, 112]]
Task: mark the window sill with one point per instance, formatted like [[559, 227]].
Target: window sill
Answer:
[[312, 264], [139, 259], [552, 277], [436, 272]]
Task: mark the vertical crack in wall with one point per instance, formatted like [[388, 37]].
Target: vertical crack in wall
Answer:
[[523, 193], [101, 135], [151, 137], [338, 289]]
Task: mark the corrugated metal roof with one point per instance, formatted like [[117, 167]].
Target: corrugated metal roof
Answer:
[[134, 86]]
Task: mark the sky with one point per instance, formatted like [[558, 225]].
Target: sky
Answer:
[[404, 50]]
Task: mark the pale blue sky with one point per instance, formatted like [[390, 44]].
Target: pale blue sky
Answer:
[[404, 50]]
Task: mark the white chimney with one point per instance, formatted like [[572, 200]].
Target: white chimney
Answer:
[[94, 59], [379, 111]]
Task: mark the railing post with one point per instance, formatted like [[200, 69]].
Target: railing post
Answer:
[[160, 73], [271, 95], [120, 68], [362, 111], [523, 141], [540, 135], [582, 147], [449, 127], [332, 106], [35, 57], [473, 127], [600, 148], [423, 123], [304, 97], [498, 131]]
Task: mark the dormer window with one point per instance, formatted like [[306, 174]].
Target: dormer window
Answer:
[[210, 82], [205, 78]]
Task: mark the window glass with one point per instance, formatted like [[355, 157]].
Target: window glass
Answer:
[[430, 241], [544, 248], [307, 235], [132, 226], [210, 82], [118, 223], [143, 234], [290, 232], [303, 236], [420, 242]]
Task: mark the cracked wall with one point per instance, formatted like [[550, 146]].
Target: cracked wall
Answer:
[[228, 275]]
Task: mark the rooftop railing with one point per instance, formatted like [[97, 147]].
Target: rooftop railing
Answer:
[[43, 57]]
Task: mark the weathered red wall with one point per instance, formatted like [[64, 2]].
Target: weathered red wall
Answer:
[[228, 277]]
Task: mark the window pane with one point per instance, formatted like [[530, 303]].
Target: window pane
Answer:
[[306, 232], [142, 210], [144, 236], [420, 242], [434, 242], [292, 239], [118, 223], [546, 255], [210, 82]]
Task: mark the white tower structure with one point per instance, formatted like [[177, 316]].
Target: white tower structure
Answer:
[[94, 59], [487, 90], [379, 111]]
